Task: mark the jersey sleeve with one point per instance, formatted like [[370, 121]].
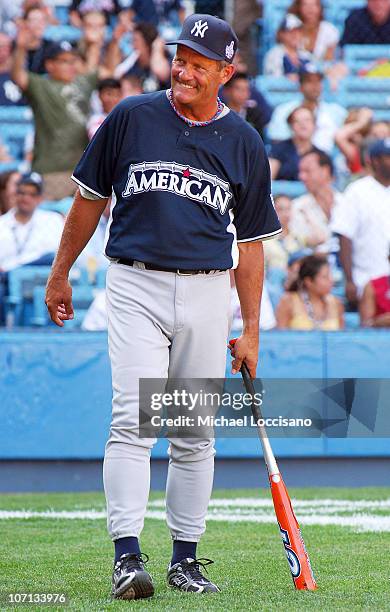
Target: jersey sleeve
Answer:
[[96, 168], [255, 216]]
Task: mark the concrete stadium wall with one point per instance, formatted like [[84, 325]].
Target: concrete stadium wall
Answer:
[[55, 392]]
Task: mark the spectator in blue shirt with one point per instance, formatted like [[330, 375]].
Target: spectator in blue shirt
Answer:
[[284, 156], [369, 25], [142, 11], [10, 94], [170, 11], [240, 97]]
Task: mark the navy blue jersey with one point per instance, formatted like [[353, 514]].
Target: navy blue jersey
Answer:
[[182, 197]]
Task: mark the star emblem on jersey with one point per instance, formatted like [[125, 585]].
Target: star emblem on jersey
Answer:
[[184, 181], [200, 28], [229, 51]]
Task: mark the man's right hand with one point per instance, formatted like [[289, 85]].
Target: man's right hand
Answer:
[[59, 299]]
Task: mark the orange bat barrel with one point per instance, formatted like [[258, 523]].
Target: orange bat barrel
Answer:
[[293, 543]]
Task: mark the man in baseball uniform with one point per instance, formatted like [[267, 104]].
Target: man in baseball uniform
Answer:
[[190, 188]]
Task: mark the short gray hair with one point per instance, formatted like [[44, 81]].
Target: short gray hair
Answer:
[[223, 64]]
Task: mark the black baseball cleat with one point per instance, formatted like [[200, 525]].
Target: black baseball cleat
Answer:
[[129, 578], [186, 576]]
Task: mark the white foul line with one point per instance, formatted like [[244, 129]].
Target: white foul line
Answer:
[[250, 510]]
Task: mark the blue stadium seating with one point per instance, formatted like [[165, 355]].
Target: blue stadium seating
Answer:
[[277, 90], [62, 13], [59, 206], [16, 114], [16, 123], [360, 57], [14, 135], [352, 320], [100, 278], [375, 93], [353, 92], [21, 285], [62, 32], [293, 189], [9, 166]]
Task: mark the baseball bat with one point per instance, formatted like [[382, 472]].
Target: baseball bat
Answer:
[[293, 543]]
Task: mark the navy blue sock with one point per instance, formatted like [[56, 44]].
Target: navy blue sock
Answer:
[[182, 550], [126, 545]]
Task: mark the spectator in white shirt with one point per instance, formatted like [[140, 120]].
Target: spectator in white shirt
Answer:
[[328, 116], [96, 317], [27, 234], [363, 224], [312, 213], [319, 37]]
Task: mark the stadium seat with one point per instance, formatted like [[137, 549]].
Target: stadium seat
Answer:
[[59, 206], [100, 278], [275, 284], [21, 284], [16, 114], [355, 92], [9, 166], [359, 57], [62, 13], [14, 135], [62, 32], [292, 189], [352, 320], [277, 90], [82, 297]]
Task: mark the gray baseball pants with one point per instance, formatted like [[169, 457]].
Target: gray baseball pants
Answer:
[[161, 324]]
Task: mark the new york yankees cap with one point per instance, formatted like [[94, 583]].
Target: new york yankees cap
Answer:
[[32, 178], [209, 36], [379, 148], [56, 48], [290, 22]]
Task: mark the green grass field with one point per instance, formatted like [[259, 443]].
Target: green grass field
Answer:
[[45, 554]]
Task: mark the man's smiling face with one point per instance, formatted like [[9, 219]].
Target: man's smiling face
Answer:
[[195, 78]]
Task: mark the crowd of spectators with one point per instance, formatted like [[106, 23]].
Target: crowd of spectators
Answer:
[[333, 253]]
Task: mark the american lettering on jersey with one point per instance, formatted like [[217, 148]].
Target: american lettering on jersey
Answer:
[[183, 180]]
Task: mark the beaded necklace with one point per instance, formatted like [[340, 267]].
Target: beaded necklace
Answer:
[[317, 322], [220, 108]]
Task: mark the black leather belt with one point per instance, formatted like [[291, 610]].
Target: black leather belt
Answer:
[[148, 266]]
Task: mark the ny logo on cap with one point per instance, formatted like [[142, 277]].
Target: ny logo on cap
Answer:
[[200, 28], [229, 51]]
